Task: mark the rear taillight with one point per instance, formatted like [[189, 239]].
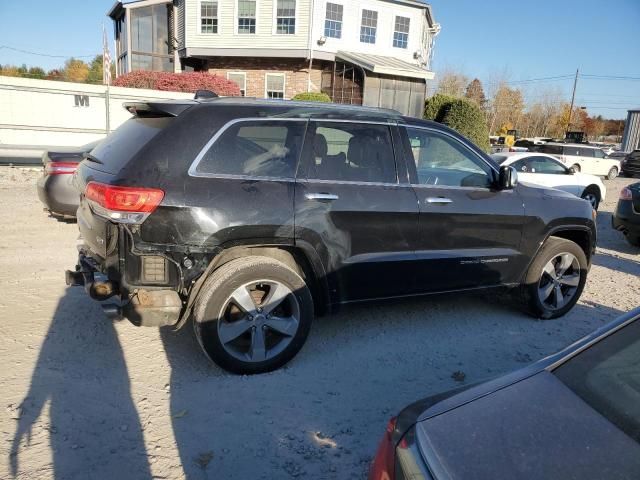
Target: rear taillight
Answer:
[[123, 204], [60, 168], [384, 463], [625, 194]]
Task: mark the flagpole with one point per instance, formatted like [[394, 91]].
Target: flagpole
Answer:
[[106, 78]]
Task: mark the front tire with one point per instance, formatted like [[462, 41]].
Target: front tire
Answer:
[[555, 279], [253, 315], [613, 173]]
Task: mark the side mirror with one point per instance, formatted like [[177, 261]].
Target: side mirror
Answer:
[[508, 178]]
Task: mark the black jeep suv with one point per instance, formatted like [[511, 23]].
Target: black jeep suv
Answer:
[[252, 216]]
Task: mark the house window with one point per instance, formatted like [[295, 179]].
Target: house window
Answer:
[[401, 32], [369, 26], [208, 17], [240, 79], [246, 16], [274, 85], [333, 21], [286, 17]]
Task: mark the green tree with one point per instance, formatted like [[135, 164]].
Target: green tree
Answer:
[[37, 73], [433, 108], [95, 70], [465, 117]]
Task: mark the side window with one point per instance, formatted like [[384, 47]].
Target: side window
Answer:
[[442, 160], [599, 153], [352, 152], [586, 152], [544, 165], [521, 165], [256, 148]]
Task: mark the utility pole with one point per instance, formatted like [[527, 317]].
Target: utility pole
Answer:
[[573, 97]]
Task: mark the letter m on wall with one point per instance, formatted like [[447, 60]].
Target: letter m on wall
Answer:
[[82, 100]]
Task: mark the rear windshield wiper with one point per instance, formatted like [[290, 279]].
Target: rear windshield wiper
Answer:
[[91, 158]]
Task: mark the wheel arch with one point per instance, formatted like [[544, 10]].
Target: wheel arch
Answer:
[[579, 234], [299, 259]]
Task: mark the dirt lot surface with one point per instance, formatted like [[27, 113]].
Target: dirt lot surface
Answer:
[[103, 400]]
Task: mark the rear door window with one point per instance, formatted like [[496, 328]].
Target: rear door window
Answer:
[[352, 152], [587, 152], [262, 148], [115, 151], [550, 149]]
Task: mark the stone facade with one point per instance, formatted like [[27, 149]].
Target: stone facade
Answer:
[[296, 73]]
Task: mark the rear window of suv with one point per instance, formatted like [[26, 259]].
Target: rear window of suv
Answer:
[[551, 149], [112, 154], [263, 148]]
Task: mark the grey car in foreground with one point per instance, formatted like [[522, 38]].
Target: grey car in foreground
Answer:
[[55, 187], [573, 415]]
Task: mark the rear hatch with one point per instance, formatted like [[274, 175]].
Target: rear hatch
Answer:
[[107, 164], [635, 195], [632, 163]]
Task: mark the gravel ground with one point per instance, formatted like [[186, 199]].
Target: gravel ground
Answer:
[[108, 400]]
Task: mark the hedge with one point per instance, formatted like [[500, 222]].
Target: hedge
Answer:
[[462, 115], [433, 106], [465, 117], [178, 82], [313, 97]]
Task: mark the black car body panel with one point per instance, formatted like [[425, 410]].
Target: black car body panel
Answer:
[[369, 240], [526, 424], [626, 218], [631, 164]]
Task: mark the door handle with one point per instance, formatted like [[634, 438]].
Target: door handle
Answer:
[[439, 200], [321, 197]]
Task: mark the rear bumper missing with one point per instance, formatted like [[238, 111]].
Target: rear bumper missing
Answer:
[[145, 308]]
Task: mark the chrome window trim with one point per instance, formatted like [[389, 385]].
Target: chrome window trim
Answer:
[[193, 169], [441, 132], [351, 182]]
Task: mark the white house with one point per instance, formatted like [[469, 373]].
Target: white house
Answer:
[[371, 52]]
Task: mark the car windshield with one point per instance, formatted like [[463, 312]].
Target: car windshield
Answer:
[[607, 377]]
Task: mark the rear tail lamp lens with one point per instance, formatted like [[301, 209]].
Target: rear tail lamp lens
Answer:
[[60, 168], [123, 204], [383, 466], [625, 194]]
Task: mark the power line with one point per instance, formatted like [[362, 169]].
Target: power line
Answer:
[[609, 77], [44, 54]]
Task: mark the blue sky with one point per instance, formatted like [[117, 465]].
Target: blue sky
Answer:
[[488, 39]]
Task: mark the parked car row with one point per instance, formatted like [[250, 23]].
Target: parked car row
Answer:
[[263, 215]]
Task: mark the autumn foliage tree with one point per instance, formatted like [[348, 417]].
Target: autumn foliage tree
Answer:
[[76, 70], [475, 93]]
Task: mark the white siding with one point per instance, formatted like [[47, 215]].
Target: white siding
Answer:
[[387, 12], [264, 38]]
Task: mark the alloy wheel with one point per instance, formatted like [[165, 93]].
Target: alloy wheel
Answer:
[[258, 320], [559, 281]]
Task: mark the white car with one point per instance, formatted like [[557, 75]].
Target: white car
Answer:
[[547, 171], [583, 158]]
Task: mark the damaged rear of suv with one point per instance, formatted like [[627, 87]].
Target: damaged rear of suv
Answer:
[[249, 217]]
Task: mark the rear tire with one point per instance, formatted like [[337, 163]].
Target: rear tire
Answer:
[[613, 173], [576, 168], [633, 239], [592, 195], [253, 315], [555, 279]]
